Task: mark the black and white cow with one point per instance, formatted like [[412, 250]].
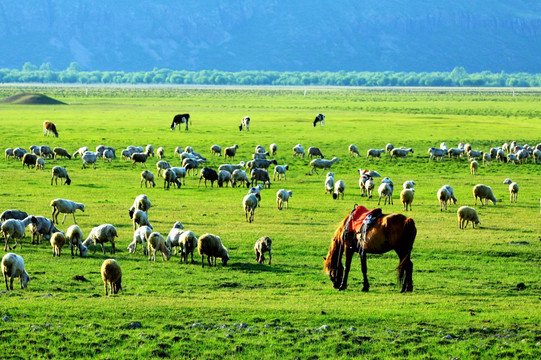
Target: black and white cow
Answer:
[[180, 119], [245, 123], [320, 118]]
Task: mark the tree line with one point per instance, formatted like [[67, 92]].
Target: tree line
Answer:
[[458, 77]]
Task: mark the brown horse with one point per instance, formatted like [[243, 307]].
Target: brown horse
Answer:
[[49, 127], [389, 232]]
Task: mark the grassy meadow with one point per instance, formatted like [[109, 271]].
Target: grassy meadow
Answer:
[[468, 301]]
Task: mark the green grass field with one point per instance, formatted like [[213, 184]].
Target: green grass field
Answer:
[[465, 304]]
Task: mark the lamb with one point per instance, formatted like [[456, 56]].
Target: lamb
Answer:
[[66, 207], [18, 153], [513, 189], [261, 175], [208, 174], [58, 151], [13, 214], [298, 150], [474, 165], [240, 177], [180, 172], [280, 170], [74, 237], [263, 245], [155, 242], [282, 197], [102, 234], [9, 153], [436, 153], [454, 152], [160, 152], [466, 214], [40, 164], [273, 148], [374, 153], [140, 218], [386, 190], [48, 128], [139, 158], [169, 176], [42, 228], [249, 203], [406, 196], [231, 151], [211, 246], [216, 150], [45, 152], [400, 153], [353, 151], [88, 158], [139, 237], [408, 184], [141, 202], [147, 177], [15, 229], [172, 239], [231, 168], [29, 159], [483, 192], [322, 164], [329, 183], [224, 177], [58, 240], [451, 192], [112, 274], [486, 159], [339, 188], [314, 151], [13, 267], [80, 152]]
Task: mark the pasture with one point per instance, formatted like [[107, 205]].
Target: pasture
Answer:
[[476, 294]]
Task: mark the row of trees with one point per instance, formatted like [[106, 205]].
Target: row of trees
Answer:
[[458, 77]]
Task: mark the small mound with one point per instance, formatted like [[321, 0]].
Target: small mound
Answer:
[[31, 99]]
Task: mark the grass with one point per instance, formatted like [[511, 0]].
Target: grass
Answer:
[[465, 304]]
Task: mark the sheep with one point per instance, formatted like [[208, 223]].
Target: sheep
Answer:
[[280, 170], [353, 151], [474, 165], [374, 153], [108, 155], [126, 154], [178, 150], [263, 245], [74, 237], [314, 151], [160, 152], [169, 176], [112, 274], [211, 246], [13, 267], [29, 159], [139, 237], [9, 153], [523, 155], [141, 202], [140, 218], [208, 174], [191, 164], [408, 184], [18, 153], [282, 197], [486, 159], [40, 164], [58, 151], [155, 242], [386, 190], [58, 240], [389, 147], [42, 228], [260, 163], [273, 148], [231, 151], [15, 229], [500, 156], [329, 183], [147, 177], [88, 158], [368, 187], [245, 123], [467, 148], [45, 151], [249, 203], [224, 177], [466, 214], [443, 146], [66, 207], [261, 175], [322, 164], [188, 149], [34, 149], [537, 155], [139, 158], [80, 152], [483, 192], [172, 239], [239, 176], [339, 187], [475, 154], [263, 155], [454, 152], [259, 149], [13, 214], [256, 190], [406, 196], [216, 150], [513, 189], [230, 167], [149, 150], [511, 158], [102, 234], [162, 165], [400, 153], [180, 172], [187, 245], [444, 197], [451, 191], [436, 153], [298, 150]]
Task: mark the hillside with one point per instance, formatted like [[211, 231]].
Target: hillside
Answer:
[[235, 35]]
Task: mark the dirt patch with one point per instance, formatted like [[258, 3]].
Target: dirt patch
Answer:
[[31, 99]]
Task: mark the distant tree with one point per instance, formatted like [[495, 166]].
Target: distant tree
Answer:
[[46, 66], [27, 67], [74, 66]]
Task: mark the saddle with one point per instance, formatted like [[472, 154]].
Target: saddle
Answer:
[[362, 216]]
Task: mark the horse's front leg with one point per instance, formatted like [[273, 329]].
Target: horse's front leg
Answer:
[[349, 256], [366, 285]]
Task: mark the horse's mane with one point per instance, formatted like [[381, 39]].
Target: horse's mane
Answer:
[[336, 242]]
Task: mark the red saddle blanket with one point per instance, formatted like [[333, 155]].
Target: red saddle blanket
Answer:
[[359, 215]]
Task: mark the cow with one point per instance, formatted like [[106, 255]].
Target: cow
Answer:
[[245, 123], [180, 119], [320, 118], [49, 127]]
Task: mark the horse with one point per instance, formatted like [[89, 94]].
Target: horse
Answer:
[[49, 127], [180, 119], [388, 232], [320, 118], [245, 123]]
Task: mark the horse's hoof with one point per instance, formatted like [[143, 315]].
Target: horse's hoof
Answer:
[[365, 289]]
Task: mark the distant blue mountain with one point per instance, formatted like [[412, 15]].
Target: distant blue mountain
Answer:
[[300, 35]]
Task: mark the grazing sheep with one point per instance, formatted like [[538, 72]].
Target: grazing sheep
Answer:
[[298, 150], [42, 228], [475, 154], [451, 192], [15, 229], [174, 234], [80, 152], [40, 164], [444, 196], [513, 189], [486, 159], [314, 151], [374, 153], [149, 150], [62, 173], [466, 214], [263, 245], [180, 172], [511, 158], [126, 154], [436, 153], [406, 196], [523, 155], [191, 164], [34, 149], [261, 175], [280, 170], [89, 158], [162, 165], [322, 164], [66, 207], [29, 160], [500, 156], [211, 246], [139, 237], [13, 267], [368, 187], [160, 152], [256, 190], [208, 174], [329, 183], [454, 152], [140, 218], [141, 202], [353, 151], [231, 167], [474, 165], [467, 148], [74, 237], [249, 203], [282, 197], [408, 184], [102, 234], [147, 177], [231, 151], [170, 176], [112, 274], [138, 158], [13, 214], [483, 192], [9, 153], [58, 151], [240, 177], [259, 149], [273, 148], [155, 242], [263, 155], [108, 155], [386, 190], [320, 118], [245, 123], [339, 188], [389, 147], [18, 153], [260, 163], [216, 150], [48, 128], [537, 155], [400, 153], [224, 177], [187, 245], [45, 152], [58, 240]]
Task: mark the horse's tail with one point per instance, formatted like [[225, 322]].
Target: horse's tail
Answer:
[[410, 232]]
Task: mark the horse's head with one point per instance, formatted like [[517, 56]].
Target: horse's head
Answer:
[[333, 264]]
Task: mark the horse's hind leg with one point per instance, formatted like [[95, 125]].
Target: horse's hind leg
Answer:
[[405, 274], [366, 285]]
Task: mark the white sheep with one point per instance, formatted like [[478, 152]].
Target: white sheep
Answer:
[[486, 159], [339, 188], [162, 165], [454, 152], [389, 147], [89, 158], [406, 197], [314, 151], [108, 155], [149, 150], [282, 197], [140, 218], [249, 203], [187, 245], [537, 155], [224, 177], [141, 202], [397, 152], [280, 170], [385, 190], [155, 242], [322, 164], [298, 150], [445, 196], [329, 183], [263, 245], [9, 153], [374, 153], [140, 237], [353, 150], [160, 152], [13, 267], [436, 153], [111, 274], [409, 184], [102, 234], [368, 187], [483, 192], [180, 172], [466, 214], [58, 240], [513, 189], [147, 177], [239, 176], [42, 228], [15, 229], [66, 207], [216, 150], [40, 164], [62, 173], [212, 246], [474, 165], [18, 153], [273, 148], [80, 152], [74, 237], [172, 240]]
